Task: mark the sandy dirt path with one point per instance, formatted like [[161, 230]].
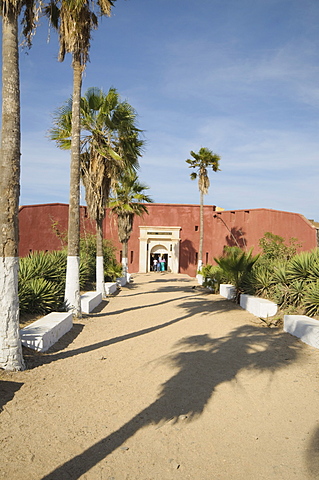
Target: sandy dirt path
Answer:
[[164, 382]]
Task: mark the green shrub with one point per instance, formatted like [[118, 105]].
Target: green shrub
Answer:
[[237, 266], [41, 282], [311, 299], [40, 296], [88, 261], [213, 277], [42, 275], [274, 247], [112, 271]]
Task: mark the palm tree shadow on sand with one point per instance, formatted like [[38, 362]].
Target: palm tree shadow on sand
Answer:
[[312, 454], [203, 363]]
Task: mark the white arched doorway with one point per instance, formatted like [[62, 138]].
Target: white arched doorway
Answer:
[[156, 252], [159, 240]]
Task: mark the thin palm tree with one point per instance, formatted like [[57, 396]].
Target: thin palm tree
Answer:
[[202, 161], [10, 345], [128, 200], [74, 21], [110, 144]]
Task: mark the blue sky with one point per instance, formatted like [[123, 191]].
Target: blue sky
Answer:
[[238, 77]]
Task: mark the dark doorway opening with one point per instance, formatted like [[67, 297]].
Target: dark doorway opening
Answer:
[[154, 265]]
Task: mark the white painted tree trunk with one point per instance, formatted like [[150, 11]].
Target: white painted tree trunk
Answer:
[[10, 345], [199, 276], [72, 296], [124, 266], [100, 285]]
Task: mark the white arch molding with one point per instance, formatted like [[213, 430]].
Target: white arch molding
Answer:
[[160, 249], [163, 240]]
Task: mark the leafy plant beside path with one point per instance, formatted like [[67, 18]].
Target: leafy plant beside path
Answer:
[[278, 274], [237, 266], [42, 276]]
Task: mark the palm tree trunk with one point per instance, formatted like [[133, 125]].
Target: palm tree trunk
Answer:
[[10, 345], [125, 258], [72, 285], [201, 231], [100, 285]]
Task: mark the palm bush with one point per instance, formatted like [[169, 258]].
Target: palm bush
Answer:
[[112, 271], [213, 276], [237, 266]]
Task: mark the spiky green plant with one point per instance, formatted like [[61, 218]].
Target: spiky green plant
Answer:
[[262, 280], [237, 266], [112, 271], [213, 276], [311, 299], [40, 296], [299, 267], [41, 282]]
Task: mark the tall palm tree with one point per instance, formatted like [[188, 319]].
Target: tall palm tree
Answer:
[[110, 144], [202, 161], [10, 345], [128, 201], [74, 21]]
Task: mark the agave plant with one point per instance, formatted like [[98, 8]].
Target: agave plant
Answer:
[[296, 293], [40, 296], [262, 280], [48, 265], [300, 266], [311, 299], [41, 282]]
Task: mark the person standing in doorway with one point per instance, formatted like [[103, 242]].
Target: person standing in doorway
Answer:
[[154, 264], [163, 264], [159, 264]]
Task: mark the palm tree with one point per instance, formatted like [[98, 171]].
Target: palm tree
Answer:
[[127, 202], [110, 144], [10, 345], [201, 161], [74, 21]]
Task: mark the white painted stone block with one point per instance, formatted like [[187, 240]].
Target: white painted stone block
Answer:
[[90, 300], [303, 327], [45, 332], [260, 307], [110, 287], [121, 281], [247, 302], [227, 290], [266, 308]]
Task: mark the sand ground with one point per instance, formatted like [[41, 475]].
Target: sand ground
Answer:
[[164, 382]]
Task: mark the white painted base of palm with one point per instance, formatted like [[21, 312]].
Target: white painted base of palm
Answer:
[[10, 344], [72, 296], [100, 285]]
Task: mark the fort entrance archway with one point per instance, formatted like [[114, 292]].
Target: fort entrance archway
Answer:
[[156, 241]]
